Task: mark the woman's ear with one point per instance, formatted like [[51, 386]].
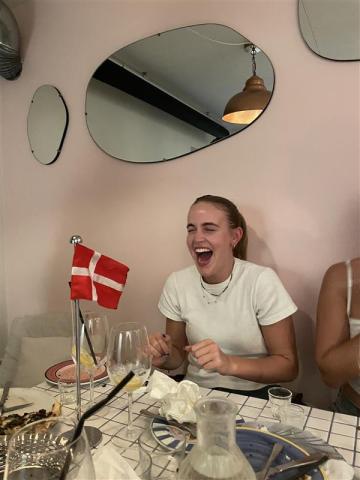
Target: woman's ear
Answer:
[[237, 235]]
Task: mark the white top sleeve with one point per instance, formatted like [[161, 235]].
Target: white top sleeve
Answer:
[[169, 304], [272, 303]]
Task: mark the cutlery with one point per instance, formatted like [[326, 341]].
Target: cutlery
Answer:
[[17, 407], [189, 427], [4, 396], [262, 474], [303, 466]]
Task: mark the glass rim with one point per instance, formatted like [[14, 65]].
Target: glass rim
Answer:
[[128, 327], [231, 407], [65, 420], [279, 396]]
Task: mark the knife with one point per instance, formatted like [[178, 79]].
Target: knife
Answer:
[[302, 466], [4, 396], [17, 407]]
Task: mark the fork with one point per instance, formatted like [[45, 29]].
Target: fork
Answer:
[[262, 474], [187, 426]]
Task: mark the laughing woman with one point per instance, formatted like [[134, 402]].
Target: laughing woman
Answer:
[[231, 318]]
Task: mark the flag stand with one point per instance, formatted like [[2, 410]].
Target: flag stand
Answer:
[[94, 434]]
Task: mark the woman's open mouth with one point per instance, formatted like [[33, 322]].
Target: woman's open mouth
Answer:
[[203, 256]]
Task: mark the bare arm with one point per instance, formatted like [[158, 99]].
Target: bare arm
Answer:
[[336, 353], [169, 350], [280, 365]]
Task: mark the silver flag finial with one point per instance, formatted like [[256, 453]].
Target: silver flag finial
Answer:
[[75, 239]]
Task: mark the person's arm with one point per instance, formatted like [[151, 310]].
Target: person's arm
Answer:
[[169, 350], [337, 355], [280, 365]]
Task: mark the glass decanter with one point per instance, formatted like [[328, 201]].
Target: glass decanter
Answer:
[[216, 454]]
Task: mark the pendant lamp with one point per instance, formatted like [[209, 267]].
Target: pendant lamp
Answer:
[[246, 106], [10, 62]]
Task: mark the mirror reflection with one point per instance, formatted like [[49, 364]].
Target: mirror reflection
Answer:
[[164, 96], [47, 123], [331, 28]]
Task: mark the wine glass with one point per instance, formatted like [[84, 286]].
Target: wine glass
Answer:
[[129, 350], [41, 450], [93, 345]]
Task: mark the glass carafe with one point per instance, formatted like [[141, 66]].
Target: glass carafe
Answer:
[[215, 454]]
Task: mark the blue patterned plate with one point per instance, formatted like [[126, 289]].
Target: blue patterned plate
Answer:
[[255, 444]]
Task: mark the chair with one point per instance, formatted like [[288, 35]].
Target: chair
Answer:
[[35, 343]]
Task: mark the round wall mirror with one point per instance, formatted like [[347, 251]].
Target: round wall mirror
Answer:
[[331, 28], [47, 123], [164, 96]]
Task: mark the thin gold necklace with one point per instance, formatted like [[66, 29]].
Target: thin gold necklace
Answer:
[[216, 295]]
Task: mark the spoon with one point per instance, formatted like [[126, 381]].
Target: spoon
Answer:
[[262, 474]]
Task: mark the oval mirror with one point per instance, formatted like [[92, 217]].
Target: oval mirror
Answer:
[[164, 96], [47, 123], [331, 29]]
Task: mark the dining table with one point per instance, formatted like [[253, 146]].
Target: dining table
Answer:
[[338, 430]]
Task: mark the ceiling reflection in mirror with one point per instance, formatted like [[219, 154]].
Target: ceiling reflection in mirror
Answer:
[[164, 96], [331, 28]]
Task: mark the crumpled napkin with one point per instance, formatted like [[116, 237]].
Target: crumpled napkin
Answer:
[[110, 465], [338, 469], [177, 399]]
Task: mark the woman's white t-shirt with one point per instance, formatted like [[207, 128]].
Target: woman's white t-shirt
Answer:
[[254, 297]]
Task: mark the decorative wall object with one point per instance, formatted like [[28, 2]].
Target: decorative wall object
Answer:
[[331, 28], [10, 63], [47, 123], [163, 97]]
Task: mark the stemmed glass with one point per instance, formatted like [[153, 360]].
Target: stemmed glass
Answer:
[[129, 349], [93, 346]]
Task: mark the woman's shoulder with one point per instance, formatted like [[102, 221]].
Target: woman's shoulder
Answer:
[[244, 266], [183, 274]]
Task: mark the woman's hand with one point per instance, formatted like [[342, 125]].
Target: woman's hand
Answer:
[[209, 355], [160, 348]]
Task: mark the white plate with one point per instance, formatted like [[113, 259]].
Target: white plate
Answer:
[[26, 395]]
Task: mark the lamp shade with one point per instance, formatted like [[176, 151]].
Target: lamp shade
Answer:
[[246, 106]]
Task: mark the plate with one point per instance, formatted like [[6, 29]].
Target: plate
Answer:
[[67, 368], [28, 395], [255, 444]]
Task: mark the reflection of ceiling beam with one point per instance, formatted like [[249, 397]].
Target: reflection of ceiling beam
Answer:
[[118, 77]]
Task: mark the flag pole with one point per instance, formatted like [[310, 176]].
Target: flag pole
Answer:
[[74, 240]]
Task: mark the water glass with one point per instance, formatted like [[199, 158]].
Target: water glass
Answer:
[[67, 391], [280, 399], [166, 448], [41, 449], [140, 461], [294, 416]]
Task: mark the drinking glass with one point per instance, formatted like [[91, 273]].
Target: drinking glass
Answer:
[[293, 416], [129, 350], [165, 458], [93, 346], [280, 399], [41, 449]]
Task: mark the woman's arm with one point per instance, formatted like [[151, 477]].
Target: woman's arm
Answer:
[[169, 350], [280, 365], [336, 354]]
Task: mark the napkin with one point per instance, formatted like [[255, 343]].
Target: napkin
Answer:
[[110, 465], [338, 469], [177, 399]]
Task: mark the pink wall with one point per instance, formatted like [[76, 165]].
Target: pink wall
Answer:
[[294, 173]]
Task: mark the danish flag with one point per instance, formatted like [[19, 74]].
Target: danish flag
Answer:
[[97, 277]]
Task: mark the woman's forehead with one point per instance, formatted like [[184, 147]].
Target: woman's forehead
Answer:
[[206, 211]]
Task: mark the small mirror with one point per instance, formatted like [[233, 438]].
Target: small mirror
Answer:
[[47, 122], [331, 28], [164, 96]]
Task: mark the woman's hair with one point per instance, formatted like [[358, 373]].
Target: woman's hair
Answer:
[[234, 217]]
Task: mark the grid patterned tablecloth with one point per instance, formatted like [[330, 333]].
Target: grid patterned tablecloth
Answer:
[[340, 431]]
